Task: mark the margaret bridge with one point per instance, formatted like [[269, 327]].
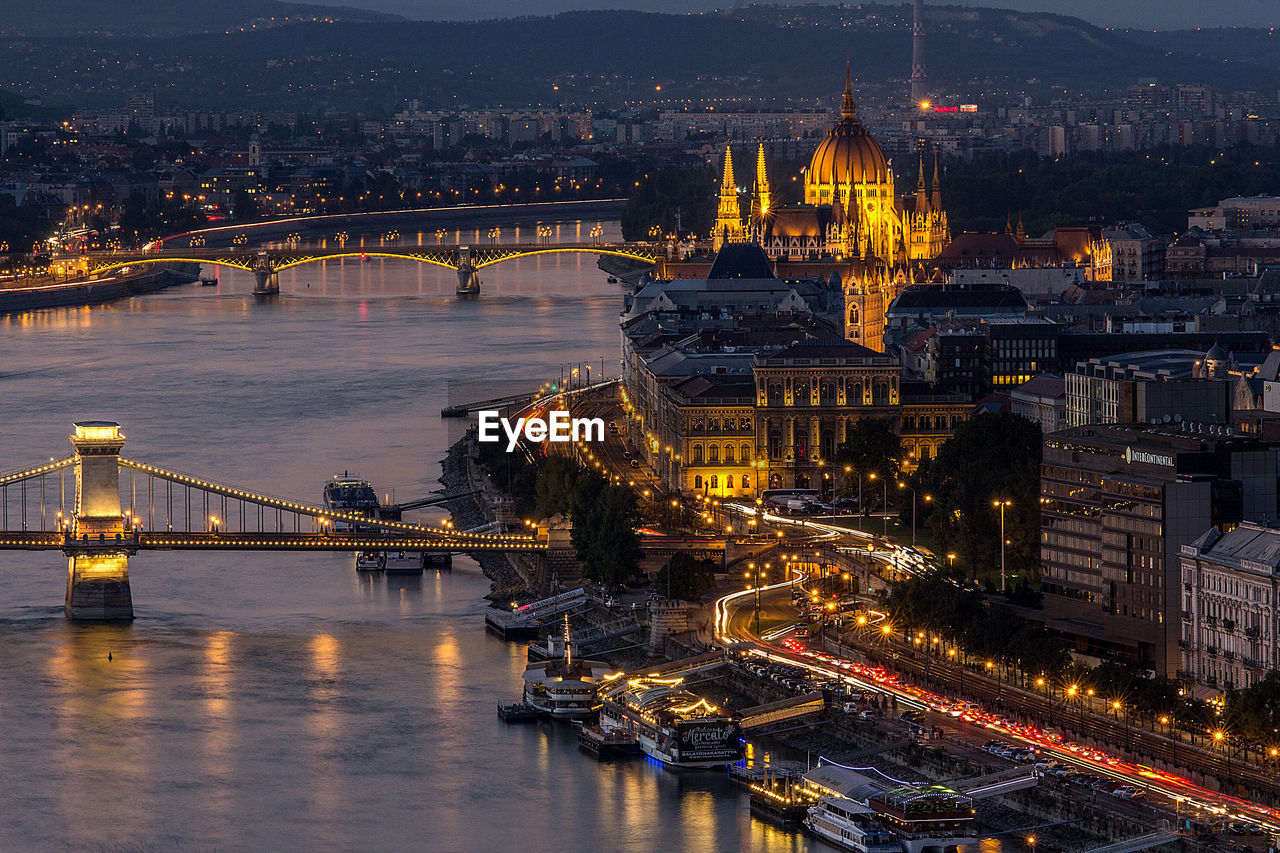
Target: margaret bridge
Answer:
[[467, 261], [118, 507]]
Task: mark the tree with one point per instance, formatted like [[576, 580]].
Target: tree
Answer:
[[604, 535], [873, 447], [244, 206], [991, 457], [685, 577], [686, 193], [557, 483]]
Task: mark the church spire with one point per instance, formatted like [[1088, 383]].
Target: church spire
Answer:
[[936, 202], [729, 214], [848, 109], [762, 183], [922, 195]]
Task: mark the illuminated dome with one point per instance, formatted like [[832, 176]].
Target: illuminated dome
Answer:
[[848, 155]]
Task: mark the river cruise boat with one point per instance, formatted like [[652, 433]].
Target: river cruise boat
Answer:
[[349, 494], [850, 825], [404, 562], [673, 725], [565, 688], [370, 561]]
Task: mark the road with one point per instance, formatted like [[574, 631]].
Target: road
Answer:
[[734, 620]]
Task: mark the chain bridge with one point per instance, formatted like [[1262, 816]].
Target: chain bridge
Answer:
[[467, 261], [100, 509]]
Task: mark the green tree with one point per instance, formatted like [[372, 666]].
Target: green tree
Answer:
[[604, 535], [873, 447], [991, 457], [557, 483], [683, 192], [685, 577]]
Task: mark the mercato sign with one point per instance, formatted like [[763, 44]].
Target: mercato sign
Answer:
[[558, 426]]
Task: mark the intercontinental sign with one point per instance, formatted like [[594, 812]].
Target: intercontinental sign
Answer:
[[1131, 456]]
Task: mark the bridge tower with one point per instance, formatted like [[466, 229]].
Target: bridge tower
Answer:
[[97, 549], [468, 276]]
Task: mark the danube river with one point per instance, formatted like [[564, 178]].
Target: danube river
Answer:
[[279, 701]]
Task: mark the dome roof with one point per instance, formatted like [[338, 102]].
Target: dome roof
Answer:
[[1216, 353], [848, 154]]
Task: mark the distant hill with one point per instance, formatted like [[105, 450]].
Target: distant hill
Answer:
[[60, 18], [787, 55]]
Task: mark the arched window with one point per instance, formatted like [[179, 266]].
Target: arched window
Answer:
[[697, 454], [744, 424], [713, 425], [728, 481], [746, 481], [715, 481], [728, 453], [745, 453], [697, 424], [713, 453], [697, 482]]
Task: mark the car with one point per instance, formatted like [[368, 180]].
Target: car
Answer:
[[1058, 769], [866, 715]]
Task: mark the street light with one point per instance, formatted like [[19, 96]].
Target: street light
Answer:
[[1001, 506], [927, 498]]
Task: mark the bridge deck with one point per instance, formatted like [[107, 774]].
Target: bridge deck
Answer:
[[148, 541]]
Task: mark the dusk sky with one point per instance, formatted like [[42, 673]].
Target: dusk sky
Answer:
[[1155, 14]]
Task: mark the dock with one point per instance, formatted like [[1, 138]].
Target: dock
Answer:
[[605, 744], [518, 712]]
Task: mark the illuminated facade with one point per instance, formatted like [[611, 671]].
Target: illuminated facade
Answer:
[[851, 219]]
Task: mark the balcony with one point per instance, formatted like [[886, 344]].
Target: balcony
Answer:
[[1252, 632], [1186, 616], [1229, 655], [1211, 651], [1228, 625]]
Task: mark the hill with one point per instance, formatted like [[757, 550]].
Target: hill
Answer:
[[137, 18], [770, 54]]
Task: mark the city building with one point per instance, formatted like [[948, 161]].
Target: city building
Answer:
[[807, 396], [852, 221], [1043, 400], [1230, 622], [1151, 387], [1117, 503]]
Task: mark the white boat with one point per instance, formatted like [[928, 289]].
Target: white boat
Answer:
[[850, 825], [370, 561], [565, 688], [404, 562], [673, 725]]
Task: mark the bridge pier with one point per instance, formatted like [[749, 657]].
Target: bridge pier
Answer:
[[98, 588], [266, 281], [98, 558], [468, 275]]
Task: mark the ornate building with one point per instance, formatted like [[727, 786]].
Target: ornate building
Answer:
[[808, 395], [851, 221]]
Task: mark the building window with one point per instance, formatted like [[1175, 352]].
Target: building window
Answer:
[[745, 454], [715, 481], [728, 481], [713, 453], [746, 481], [697, 454], [728, 453], [697, 482]]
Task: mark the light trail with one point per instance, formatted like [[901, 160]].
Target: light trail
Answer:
[[879, 679]]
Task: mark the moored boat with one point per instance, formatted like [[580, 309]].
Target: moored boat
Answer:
[[673, 725], [850, 825]]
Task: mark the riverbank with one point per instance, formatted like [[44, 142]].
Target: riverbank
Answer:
[[468, 512], [77, 293]]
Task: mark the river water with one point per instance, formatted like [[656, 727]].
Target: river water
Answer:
[[280, 701]]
